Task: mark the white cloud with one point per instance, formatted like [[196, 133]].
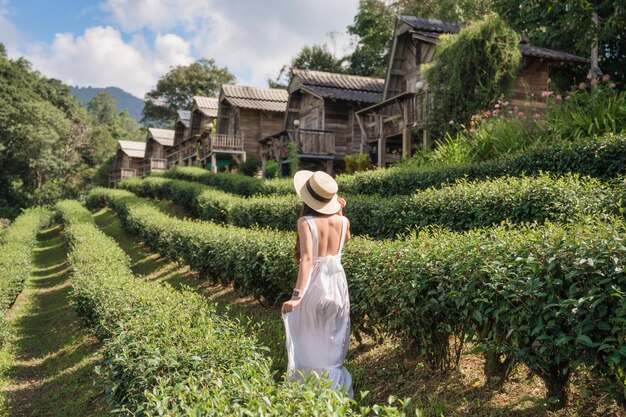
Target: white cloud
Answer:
[[101, 58], [253, 38], [10, 35]]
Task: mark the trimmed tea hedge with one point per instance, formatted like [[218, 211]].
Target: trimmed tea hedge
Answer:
[[16, 256], [602, 158], [550, 296], [460, 206], [169, 353]]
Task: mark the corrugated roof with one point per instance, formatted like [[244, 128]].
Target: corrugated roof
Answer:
[[163, 136], [255, 93], [183, 115], [431, 25], [341, 86], [132, 148], [430, 29], [206, 102], [206, 105], [267, 99], [278, 106]]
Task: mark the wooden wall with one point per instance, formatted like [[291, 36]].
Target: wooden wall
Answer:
[[531, 81], [154, 150], [123, 161]]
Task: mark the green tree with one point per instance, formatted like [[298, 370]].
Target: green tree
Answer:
[[568, 25], [372, 31], [102, 108], [175, 90], [316, 58], [471, 70]]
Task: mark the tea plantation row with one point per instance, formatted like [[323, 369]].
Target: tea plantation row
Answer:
[[168, 353], [550, 296], [602, 158], [16, 255], [461, 206]]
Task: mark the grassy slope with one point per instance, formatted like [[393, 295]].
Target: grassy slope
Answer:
[[382, 368], [48, 364]]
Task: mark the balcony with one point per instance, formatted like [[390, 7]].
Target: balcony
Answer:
[[152, 164], [227, 143], [121, 174], [315, 142]]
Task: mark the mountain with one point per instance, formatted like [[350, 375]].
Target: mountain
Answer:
[[124, 100]]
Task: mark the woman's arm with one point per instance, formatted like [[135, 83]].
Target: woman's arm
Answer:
[[306, 263]]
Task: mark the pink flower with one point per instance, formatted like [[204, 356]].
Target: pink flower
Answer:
[[582, 86], [497, 106], [521, 114], [496, 112], [606, 77], [536, 115], [594, 81], [558, 97], [506, 103], [451, 122], [545, 94]]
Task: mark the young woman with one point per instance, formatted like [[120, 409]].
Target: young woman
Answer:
[[317, 318]]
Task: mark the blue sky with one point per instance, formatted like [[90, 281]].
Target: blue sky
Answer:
[[131, 43]]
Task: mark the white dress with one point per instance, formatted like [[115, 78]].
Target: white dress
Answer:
[[318, 329]]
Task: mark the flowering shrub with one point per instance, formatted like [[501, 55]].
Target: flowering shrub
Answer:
[[587, 112]]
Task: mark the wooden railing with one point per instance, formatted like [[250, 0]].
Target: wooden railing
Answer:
[[120, 174], [226, 143], [320, 142], [390, 117], [154, 164]]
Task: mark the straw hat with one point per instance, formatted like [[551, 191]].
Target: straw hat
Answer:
[[318, 190]]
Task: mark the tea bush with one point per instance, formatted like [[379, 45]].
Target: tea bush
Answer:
[[602, 158], [15, 256], [168, 353], [460, 206], [550, 296]]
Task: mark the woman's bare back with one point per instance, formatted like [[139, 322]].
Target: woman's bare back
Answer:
[[329, 229]]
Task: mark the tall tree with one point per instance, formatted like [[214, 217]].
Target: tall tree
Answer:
[[372, 31], [175, 90], [568, 25], [316, 58]]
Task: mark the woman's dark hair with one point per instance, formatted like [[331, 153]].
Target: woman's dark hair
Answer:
[[305, 210]]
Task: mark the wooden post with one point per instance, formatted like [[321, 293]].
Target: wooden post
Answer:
[[329, 166], [593, 75], [382, 143], [213, 162], [406, 132], [264, 164]]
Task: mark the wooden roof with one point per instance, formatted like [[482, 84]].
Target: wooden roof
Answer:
[[429, 30], [183, 116], [206, 105], [164, 137], [338, 86], [132, 148], [267, 99]]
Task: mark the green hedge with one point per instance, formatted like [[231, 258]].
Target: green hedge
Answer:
[[460, 206], [16, 256], [169, 353], [550, 296], [602, 158]]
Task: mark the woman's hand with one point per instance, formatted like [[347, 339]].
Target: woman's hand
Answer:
[[342, 201], [288, 306]]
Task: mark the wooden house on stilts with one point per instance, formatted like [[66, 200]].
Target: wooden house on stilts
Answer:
[[128, 161], [158, 144], [246, 115], [321, 120], [181, 131], [388, 127], [191, 137]]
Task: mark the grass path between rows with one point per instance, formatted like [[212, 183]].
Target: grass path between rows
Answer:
[[48, 365], [383, 368]]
